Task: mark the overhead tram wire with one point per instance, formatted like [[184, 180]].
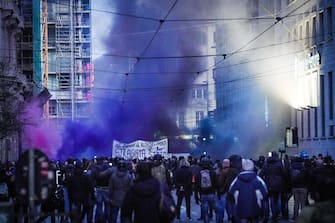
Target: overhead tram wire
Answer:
[[268, 73], [195, 19], [191, 56], [192, 72], [285, 27], [139, 17], [278, 19], [258, 76], [147, 47], [223, 55]]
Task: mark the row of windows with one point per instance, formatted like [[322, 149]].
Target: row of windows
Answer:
[[314, 30], [200, 92], [316, 118], [64, 110]]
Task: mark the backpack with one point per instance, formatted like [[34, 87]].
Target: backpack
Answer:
[[205, 179]]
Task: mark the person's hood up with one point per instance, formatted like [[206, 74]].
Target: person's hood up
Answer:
[[236, 161], [247, 176]]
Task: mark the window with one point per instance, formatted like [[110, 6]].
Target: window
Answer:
[[308, 123], [331, 95], [322, 102], [300, 32], [321, 27], [302, 124], [199, 93], [199, 115], [316, 122], [295, 36], [52, 82], [193, 93], [330, 21], [52, 108], [181, 119], [307, 33], [314, 31]]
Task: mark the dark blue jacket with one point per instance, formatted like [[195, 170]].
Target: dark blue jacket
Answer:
[[249, 192]]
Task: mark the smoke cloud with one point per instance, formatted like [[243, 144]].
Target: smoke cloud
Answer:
[[135, 97]]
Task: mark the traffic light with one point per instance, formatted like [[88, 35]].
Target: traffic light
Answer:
[[34, 177]]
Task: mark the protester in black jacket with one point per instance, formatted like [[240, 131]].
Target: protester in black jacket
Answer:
[[183, 181], [142, 199], [273, 175], [234, 169], [286, 191], [81, 192], [299, 182]]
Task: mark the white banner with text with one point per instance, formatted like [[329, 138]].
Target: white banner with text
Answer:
[[140, 149]]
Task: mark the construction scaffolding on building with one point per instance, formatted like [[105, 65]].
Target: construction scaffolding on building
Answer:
[[70, 76]]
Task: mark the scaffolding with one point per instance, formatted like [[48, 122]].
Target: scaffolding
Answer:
[[45, 53], [71, 80]]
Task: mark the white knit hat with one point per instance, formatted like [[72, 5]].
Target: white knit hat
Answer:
[[247, 164]]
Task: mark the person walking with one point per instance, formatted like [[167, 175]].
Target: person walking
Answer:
[[249, 192]]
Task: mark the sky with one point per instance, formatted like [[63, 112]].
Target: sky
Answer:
[[147, 53]]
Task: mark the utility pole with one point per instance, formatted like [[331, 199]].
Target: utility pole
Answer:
[[45, 53], [72, 62]]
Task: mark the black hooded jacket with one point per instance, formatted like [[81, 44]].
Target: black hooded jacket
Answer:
[[273, 174], [142, 199]]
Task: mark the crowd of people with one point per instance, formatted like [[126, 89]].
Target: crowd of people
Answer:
[[235, 189]]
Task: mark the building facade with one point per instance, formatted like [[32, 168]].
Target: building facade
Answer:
[[289, 58], [250, 117], [201, 102], [13, 85], [70, 64], [313, 114], [61, 58]]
